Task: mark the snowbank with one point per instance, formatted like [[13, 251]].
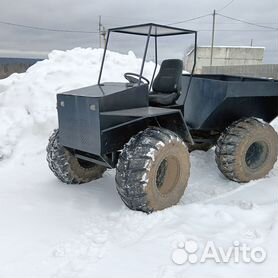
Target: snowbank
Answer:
[[28, 100]]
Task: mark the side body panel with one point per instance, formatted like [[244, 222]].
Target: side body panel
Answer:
[[215, 101], [79, 113]]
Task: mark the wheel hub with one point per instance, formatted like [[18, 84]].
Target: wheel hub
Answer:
[[167, 174], [160, 176], [256, 154]]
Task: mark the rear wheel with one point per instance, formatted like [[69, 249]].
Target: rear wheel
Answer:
[[153, 170], [247, 150], [67, 167]]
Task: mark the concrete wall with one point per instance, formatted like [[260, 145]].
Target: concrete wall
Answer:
[[9, 66], [225, 56], [270, 71]]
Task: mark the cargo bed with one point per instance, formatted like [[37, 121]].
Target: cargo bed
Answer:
[[222, 99]]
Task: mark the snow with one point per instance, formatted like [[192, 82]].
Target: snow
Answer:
[[29, 99], [50, 229]]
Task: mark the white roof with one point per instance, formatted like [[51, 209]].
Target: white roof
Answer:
[[226, 46], [22, 54]]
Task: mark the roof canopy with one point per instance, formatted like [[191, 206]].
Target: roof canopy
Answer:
[[156, 30]]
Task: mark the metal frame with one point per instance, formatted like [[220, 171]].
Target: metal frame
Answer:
[[176, 31], [194, 65], [145, 54], [179, 31], [155, 54]]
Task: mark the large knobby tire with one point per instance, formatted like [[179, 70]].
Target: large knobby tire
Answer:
[[153, 170], [247, 150], [67, 167]]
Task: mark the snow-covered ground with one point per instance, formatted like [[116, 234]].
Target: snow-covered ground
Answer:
[[50, 229]]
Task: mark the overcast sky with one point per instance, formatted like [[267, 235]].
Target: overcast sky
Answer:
[[83, 15]]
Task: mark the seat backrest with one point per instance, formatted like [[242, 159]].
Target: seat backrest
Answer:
[[168, 80]]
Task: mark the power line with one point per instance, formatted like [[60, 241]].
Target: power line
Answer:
[[47, 29], [237, 30], [227, 5], [233, 23], [228, 17], [190, 19], [247, 22], [174, 23]]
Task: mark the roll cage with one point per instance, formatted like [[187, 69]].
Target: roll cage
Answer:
[[150, 30]]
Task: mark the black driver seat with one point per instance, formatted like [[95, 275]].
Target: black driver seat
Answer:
[[167, 84]]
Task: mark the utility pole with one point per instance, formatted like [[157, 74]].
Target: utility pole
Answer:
[[99, 30], [102, 32], [251, 42], [212, 37]]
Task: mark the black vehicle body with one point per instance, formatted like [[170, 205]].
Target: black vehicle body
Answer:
[[95, 122]]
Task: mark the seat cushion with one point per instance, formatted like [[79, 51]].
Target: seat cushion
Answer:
[[162, 98], [168, 78]]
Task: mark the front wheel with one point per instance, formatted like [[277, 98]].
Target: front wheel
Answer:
[[247, 150], [66, 167], [153, 170]]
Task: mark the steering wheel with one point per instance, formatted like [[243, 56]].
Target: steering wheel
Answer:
[[134, 78]]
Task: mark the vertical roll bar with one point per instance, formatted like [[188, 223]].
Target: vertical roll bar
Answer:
[[145, 54], [103, 58]]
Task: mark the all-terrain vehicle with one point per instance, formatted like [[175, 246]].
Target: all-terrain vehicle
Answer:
[[146, 129]]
